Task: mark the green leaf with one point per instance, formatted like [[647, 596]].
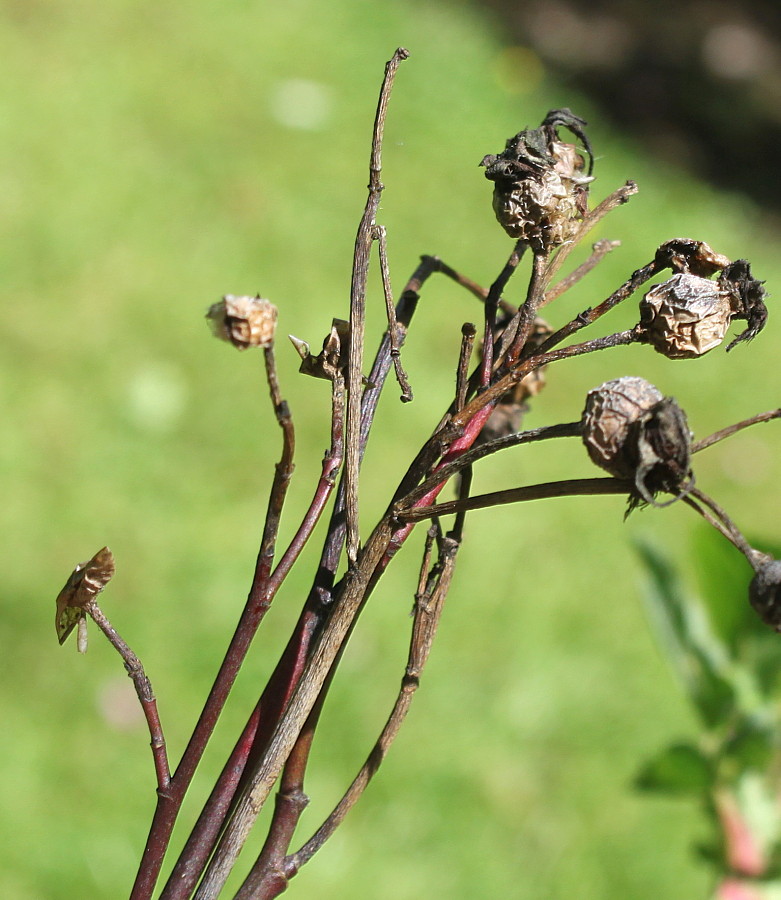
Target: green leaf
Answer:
[[723, 575], [698, 656], [681, 769], [752, 744]]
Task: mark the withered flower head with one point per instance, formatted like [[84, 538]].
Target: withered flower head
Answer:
[[633, 432], [540, 187], [686, 316], [748, 297], [764, 593], [243, 321], [611, 410], [84, 584], [690, 256]]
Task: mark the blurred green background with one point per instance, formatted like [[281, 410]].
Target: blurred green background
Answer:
[[155, 156]]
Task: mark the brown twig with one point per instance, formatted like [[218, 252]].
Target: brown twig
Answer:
[[390, 310], [589, 316], [734, 429], [517, 332], [355, 588], [492, 394], [469, 457], [491, 305], [716, 516], [468, 332], [598, 252], [363, 242], [433, 586], [283, 472], [144, 692], [260, 726], [576, 487], [617, 198]]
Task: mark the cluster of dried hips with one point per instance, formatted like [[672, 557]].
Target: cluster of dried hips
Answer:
[[629, 428]]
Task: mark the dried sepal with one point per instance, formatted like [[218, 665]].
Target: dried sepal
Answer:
[[691, 257], [243, 321], [686, 316], [332, 358], [540, 186], [764, 593], [84, 584], [661, 444], [748, 298]]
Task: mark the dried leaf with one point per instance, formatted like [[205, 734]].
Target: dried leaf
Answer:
[[84, 584]]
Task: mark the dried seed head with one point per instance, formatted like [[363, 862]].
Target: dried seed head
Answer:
[[540, 190], [764, 593], [633, 432], [611, 411], [686, 316], [243, 321], [690, 256]]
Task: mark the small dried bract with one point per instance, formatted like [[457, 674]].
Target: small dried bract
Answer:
[[686, 316], [332, 358], [764, 593], [540, 186], [691, 256], [243, 321], [84, 584]]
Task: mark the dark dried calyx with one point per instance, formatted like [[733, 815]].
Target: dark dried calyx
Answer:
[[530, 151], [659, 446], [748, 295], [764, 593]]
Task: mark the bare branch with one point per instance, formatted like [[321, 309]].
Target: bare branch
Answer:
[[734, 429], [462, 373], [576, 487], [429, 601], [617, 198], [598, 252], [144, 692], [395, 344], [363, 242]]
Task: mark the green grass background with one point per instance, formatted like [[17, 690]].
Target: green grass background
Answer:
[[149, 164]]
